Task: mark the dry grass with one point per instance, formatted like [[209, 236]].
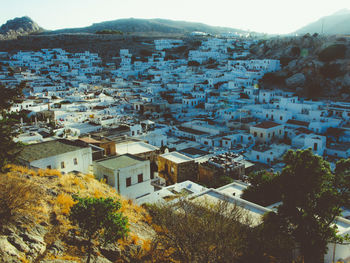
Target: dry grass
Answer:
[[19, 196]]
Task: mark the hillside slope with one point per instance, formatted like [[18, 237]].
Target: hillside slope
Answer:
[[37, 229], [337, 23]]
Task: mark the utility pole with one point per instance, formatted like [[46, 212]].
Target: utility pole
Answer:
[[322, 28]]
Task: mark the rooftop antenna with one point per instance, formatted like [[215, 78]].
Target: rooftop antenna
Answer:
[[322, 28]]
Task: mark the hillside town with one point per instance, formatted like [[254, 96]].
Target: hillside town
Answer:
[[156, 128]]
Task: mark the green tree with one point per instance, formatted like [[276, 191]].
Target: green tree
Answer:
[[98, 218], [264, 189], [8, 148], [342, 176], [310, 203]]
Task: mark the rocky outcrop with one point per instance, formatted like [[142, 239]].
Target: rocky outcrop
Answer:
[[297, 80], [20, 26], [313, 66]]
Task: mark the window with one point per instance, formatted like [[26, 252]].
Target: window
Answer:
[[172, 169], [257, 157], [75, 160], [62, 165], [315, 146], [140, 178], [128, 181], [261, 135], [48, 167], [105, 178], [255, 134], [281, 118], [280, 131]]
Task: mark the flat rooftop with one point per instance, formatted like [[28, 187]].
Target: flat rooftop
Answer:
[[266, 125], [233, 189], [47, 149], [176, 157], [135, 148], [122, 161]]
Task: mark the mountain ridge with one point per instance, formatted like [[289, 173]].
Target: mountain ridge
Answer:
[[336, 23]]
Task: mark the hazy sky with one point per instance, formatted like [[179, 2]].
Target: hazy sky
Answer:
[[270, 16]]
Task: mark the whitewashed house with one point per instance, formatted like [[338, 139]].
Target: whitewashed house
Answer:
[[128, 174], [63, 155]]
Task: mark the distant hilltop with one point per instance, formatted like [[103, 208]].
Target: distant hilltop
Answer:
[[19, 26], [337, 23], [136, 25]]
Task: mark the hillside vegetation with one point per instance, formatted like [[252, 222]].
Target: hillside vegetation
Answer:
[[34, 224]]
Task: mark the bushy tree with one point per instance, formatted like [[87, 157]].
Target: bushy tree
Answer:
[[98, 218], [8, 148], [310, 203]]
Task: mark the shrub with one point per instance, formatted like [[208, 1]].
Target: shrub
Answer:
[[193, 63], [333, 52], [99, 218], [295, 51]]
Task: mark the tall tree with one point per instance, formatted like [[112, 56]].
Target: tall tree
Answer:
[[8, 148], [310, 203]]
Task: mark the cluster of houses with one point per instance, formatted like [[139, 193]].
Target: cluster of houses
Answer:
[[158, 127]]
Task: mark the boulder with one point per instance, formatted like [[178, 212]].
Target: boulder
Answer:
[[8, 252], [18, 242], [346, 80], [296, 80]]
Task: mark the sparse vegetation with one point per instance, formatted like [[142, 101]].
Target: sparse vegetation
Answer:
[[109, 32]]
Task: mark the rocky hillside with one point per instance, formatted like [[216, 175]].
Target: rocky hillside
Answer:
[[337, 23], [34, 226], [19, 26], [313, 66]]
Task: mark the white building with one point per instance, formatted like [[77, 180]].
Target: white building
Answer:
[[128, 174], [267, 131], [63, 155]]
